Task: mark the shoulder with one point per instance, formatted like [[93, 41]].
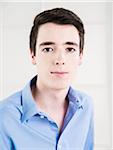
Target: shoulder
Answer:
[[13, 100], [10, 109]]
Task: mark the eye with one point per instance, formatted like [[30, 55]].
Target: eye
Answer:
[[47, 49], [70, 49]]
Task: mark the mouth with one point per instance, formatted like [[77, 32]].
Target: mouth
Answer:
[[59, 73]]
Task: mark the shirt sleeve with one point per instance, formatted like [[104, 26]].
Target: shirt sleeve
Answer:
[[5, 142], [89, 145]]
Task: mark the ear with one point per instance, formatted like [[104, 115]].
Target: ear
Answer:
[[33, 58], [80, 58]]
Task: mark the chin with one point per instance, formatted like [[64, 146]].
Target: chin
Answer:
[[60, 86]]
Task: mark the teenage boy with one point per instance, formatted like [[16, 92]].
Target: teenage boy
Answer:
[[48, 114]]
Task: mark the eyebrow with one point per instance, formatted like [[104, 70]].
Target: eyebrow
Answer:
[[71, 43], [52, 43], [47, 43]]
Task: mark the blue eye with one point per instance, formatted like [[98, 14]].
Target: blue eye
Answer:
[[70, 50], [48, 49]]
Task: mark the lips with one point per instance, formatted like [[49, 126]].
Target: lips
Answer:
[[59, 72]]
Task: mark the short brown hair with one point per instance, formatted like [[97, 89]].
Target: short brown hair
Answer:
[[59, 16]]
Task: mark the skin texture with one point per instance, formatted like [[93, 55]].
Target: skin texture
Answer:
[[57, 59]]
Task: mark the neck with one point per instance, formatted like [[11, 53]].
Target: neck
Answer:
[[51, 101], [49, 98]]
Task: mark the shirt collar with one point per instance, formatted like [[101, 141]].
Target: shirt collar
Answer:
[[29, 105], [74, 96]]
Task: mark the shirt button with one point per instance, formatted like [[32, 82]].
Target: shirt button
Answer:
[[41, 116], [77, 101], [27, 120]]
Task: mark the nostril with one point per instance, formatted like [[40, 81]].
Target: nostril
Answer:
[[57, 63], [60, 63]]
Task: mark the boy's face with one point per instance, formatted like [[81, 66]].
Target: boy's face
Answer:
[[57, 55]]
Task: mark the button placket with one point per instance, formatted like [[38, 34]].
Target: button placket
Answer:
[[59, 146]]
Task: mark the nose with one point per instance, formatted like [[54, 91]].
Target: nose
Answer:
[[59, 59]]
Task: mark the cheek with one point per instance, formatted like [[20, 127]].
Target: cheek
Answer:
[[73, 61], [42, 66], [73, 66]]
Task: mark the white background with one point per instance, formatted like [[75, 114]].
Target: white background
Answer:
[[94, 75]]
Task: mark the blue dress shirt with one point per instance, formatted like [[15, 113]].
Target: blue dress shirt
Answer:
[[24, 127]]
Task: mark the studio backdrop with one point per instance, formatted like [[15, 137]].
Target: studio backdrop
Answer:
[[94, 75]]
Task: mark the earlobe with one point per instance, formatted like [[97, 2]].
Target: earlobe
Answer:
[[33, 59], [80, 58]]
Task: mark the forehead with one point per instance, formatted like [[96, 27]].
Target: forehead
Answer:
[[57, 33]]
